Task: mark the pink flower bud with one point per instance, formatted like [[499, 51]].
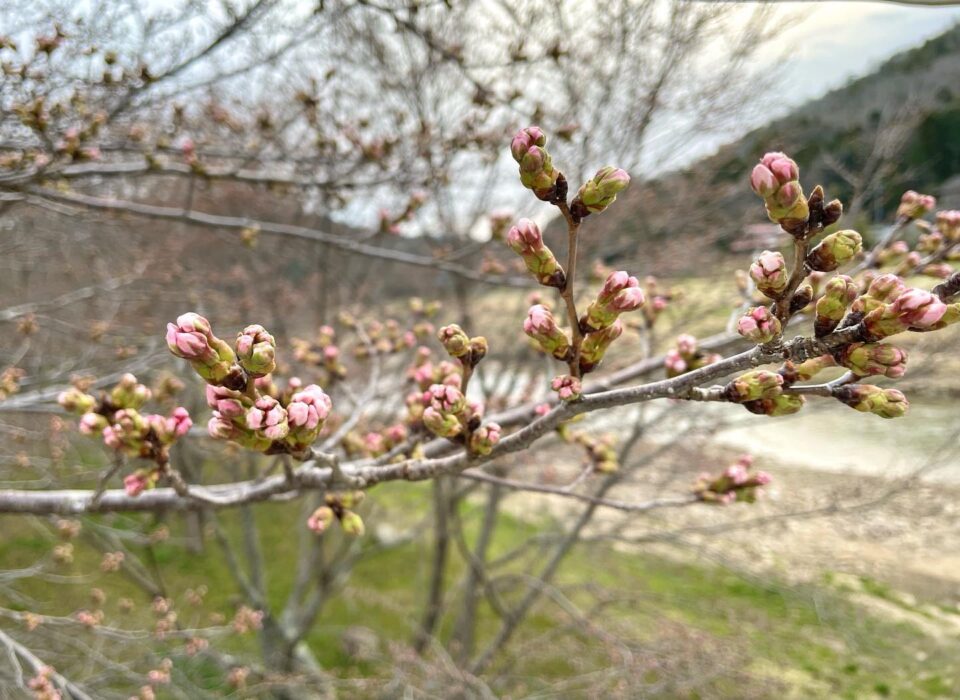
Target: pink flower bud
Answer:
[[769, 273], [918, 308], [948, 224], [268, 417], [914, 205], [525, 139], [229, 403], [775, 179], [136, 483], [674, 363], [867, 398], [526, 241], [600, 192], [868, 359], [620, 293], [759, 325], [541, 326], [256, 350], [483, 439], [446, 399], [686, 345], [454, 340], [568, 388]]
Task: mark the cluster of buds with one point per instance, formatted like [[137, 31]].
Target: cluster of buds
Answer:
[[247, 407], [526, 241], [914, 205], [536, 166], [469, 351], [910, 309], [868, 398], [735, 483], [620, 293], [657, 300], [373, 443], [323, 352], [568, 388], [42, 685], [838, 294], [600, 192], [761, 391], [687, 356], [115, 416], [339, 507], [777, 180], [759, 325], [10, 382]]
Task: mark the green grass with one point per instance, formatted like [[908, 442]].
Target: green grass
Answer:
[[787, 641]]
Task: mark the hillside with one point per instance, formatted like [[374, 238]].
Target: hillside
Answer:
[[897, 128]]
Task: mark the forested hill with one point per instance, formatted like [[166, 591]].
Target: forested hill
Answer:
[[894, 129]]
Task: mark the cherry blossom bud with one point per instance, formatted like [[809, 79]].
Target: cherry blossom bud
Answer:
[[484, 438], [868, 398], [176, 425], [138, 482], [948, 224], [868, 359], [939, 270], [320, 520], [441, 424], [447, 399], [812, 367], [454, 340], [835, 250], [914, 205], [478, 349], [758, 384], [568, 388], [192, 339], [918, 308], [674, 363], [759, 325], [92, 423], [129, 393], [536, 167], [620, 293], [838, 294], [229, 403], [526, 241], [595, 346], [76, 401], [269, 418], [769, 273], [776, 180], [686, 345], [600, 192], [256, 350], [886, 288], [306, 412], [541, 326]]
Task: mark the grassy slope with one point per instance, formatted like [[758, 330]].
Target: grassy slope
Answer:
[[816, 642]]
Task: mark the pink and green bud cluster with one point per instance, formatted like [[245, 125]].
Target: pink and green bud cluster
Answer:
[[339, 507], [257, 351], [445, 414], [687, 357], [913, 309], [268, 419], [769, 273], [948, 224], [868, 398], [914, 205], [759, 325], [870, 359], [757, 384], [542, 327], [735, 483], [129, 393], [536, 167], [884, 289], [76, 401], [192, 339], [454, 340], [940, 270], [620, 293], [306, 412], [526, 241], [838, 294], [600, 192], [806, 370], [776, 180], [835, 250], [595, 345], [485, 438], [568, 388]]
